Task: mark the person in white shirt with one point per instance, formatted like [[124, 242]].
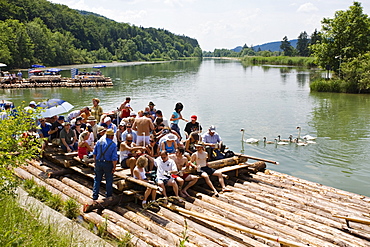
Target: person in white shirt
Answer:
[[165, 168]]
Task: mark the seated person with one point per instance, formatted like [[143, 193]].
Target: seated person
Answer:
[[84, 149], [192, 126], [152, 149], [166, 167], [127, 131], [169, 144], [68, 138], [199, 158], [194, 138], [129, 151], [139, 173], [166, 131], [183, 166], [212, 141]]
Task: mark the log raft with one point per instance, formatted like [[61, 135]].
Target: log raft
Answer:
[[265, 208]]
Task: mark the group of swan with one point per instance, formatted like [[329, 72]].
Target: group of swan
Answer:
[[305, 140]]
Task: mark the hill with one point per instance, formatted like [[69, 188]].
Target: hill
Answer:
[[37, 31], [271, 46]]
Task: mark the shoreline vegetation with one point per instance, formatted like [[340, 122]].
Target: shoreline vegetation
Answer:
[[280, 60]]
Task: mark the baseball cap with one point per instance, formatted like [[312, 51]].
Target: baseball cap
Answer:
[[212, 128], [194, 117]]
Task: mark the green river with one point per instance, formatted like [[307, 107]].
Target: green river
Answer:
[[264, 100]]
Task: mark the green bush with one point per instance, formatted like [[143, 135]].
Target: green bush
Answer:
[[280, 60], [71, 208]]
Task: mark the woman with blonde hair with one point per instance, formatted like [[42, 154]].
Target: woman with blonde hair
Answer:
[[139, 173], [83, 146]]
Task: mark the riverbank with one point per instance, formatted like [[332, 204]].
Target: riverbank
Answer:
[[280, 60]]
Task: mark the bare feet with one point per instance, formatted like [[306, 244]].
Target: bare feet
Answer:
[[179, 199], [185, 193]]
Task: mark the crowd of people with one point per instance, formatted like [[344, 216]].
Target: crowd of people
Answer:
[[148, 144]]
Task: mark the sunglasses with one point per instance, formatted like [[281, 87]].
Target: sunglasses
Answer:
[[129, 140], [151, 140]]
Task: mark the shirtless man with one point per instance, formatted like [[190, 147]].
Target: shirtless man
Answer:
[[183, 166], [200, 159], [143, 126], [129, 152]]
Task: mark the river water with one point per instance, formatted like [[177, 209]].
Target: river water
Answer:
[[264, 100]]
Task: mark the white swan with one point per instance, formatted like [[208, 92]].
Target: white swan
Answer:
[[249, 140], [281, 142], [307, 137], [300, 143], [309, 141], [268, 142]]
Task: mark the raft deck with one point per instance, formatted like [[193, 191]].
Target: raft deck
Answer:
[[264, 209]]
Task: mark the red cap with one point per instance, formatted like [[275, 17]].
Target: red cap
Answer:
[[194, 117]]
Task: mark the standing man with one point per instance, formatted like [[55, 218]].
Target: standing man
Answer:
[[192, 126], [143, 126], [105, 157], [54, 132], [158, 114]]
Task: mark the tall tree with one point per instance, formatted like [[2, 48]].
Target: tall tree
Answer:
[[286, 47], [345, 36], [302, 44]]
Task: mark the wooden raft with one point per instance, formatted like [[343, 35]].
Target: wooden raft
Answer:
[[264, 209]]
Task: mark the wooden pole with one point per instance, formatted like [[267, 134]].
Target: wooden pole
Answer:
[[256, 158], [237, 227]]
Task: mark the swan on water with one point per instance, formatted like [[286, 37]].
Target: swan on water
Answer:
[[309, 141], [268, 142], [299, 143], [249, 140], [307, 137], [281, 142]]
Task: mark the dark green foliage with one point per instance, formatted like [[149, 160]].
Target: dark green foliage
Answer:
[[286, 47], [37, 31], [302, 44]]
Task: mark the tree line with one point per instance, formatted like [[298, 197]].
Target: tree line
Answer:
[[286, 49], [37, 31]]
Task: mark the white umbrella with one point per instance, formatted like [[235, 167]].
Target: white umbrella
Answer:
[[54, 107], [3, 65]]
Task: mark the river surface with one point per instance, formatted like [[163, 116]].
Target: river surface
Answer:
[[264, 100]]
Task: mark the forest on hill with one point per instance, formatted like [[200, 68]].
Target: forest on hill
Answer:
[[37, 31]]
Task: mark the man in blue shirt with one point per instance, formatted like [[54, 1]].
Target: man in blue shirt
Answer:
[[212, 141], [105, 157]]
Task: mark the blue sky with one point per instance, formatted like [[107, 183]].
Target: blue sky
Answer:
[[221, 24]]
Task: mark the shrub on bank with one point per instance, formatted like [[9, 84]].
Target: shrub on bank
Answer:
[[280, 60], [334, 86]]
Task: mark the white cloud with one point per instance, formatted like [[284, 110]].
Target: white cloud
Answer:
[[307, 8]]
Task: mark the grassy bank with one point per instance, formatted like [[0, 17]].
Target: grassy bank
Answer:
[[334, 86], [280, 60], [18, 227]]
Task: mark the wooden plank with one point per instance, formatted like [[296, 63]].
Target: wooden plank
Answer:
[[256, 158], [354, 219]]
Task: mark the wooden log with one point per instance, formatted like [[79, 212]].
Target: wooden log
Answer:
[[175, 223], [61, 186], [354, 219], [317, 192], [123, 175], [226, 162], [50, 170], [135, 229], [308, 235], [256, 158], [171, 238], [295, 220], [329, 192], [113, 229], [238, 227], [26, 175], [315, 206]]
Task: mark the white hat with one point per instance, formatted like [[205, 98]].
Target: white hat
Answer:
[[133, 113], [107, 119], [171, 137], [212, 128], [32, 103]]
